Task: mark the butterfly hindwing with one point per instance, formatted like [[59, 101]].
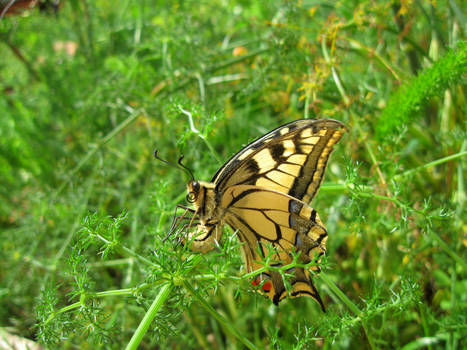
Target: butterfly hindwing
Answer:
[[276, 225]]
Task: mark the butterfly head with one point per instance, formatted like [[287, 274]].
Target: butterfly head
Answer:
[[203, 197]]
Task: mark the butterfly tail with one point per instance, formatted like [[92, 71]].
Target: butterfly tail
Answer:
[[300, 284]]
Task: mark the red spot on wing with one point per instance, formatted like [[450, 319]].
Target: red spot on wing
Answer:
[[256, 282], [267, 285]]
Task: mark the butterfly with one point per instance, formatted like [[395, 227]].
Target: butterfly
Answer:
[[263, 193]]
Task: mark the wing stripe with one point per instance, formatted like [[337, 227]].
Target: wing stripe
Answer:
[[313, 215], [272, 180], [307, 183], [242, 195], [277, 152], [251, 254], [285, 172], [310, 164], [250, 229], [314, 293]]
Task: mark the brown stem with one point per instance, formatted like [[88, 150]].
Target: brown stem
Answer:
[[23, 59]]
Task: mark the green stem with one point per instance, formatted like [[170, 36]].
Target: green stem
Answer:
[[426, 329], [109, 293], [149, 316], [371, 154], [333, 188], [352, 307], [125, 291], [447, 250], [339, 188], [236, 60], [219, 317], [452, 334], [335, 74], [267, 267], [23, 59], [89, 31], [372, 54], [307, 98], [107, 263], [214, 68], [134, 115], [335, 289], [197, 132], [366, 192], [431, 164], [362, 192], [129, 252], [461, 196], [370, 339]]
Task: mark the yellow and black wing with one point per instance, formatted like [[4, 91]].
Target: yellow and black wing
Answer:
[[290, 159], [263, 192], [265, 189], [267, 219]]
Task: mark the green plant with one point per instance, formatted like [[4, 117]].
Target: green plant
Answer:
[[90, 93]]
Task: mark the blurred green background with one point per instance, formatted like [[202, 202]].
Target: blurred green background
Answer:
[[91, 88]]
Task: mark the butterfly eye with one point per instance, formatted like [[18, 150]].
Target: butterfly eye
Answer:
[[191, 197], [193, 191], [196, 186]]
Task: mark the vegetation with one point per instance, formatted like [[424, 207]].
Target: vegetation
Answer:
[[90, 92]]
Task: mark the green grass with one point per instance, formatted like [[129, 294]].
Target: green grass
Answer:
[[85, 207]]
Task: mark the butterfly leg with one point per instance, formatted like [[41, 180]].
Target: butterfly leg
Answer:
[[182, 232], [177, 219]]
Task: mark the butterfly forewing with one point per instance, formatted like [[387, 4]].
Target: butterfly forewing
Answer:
[[290, 159]]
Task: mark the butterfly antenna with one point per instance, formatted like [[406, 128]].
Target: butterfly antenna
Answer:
[[181, 167], [163, 160], [184, 167]]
